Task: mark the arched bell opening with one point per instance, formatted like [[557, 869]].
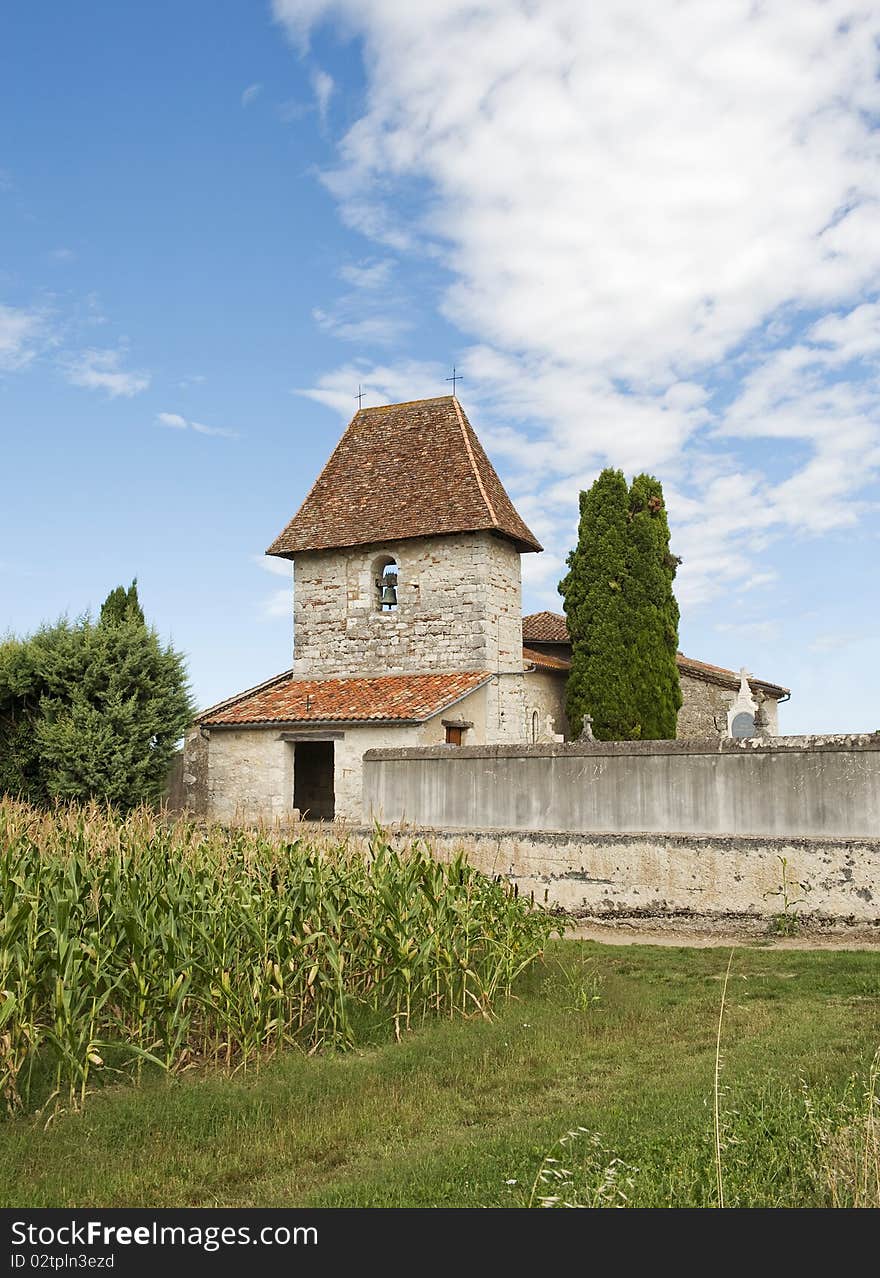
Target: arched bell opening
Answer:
[[386, 580]]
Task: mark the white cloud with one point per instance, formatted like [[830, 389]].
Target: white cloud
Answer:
[[202, 429], [372, 313], [63, 255], [277, 567], [176, 422], [100, 370], [279, 604], [382, 384], [250, 94], [20, 334], [662, 228], [368, 275], [378, 328], [322, 86]]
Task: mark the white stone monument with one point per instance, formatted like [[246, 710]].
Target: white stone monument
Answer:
[[741, 715]]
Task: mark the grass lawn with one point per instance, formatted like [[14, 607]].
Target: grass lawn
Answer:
[[460, 1114]]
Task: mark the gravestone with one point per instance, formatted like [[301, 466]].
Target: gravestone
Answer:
[[741, 715]]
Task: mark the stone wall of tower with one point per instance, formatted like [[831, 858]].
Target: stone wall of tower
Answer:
[[460, 608]]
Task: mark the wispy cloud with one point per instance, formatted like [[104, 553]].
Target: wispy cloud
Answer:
[[378, 329], [372, 313], [100, 370], [280, 602], [277, 567], [660, 226], [250, 94], [292, 110], [62, 255], [382, 384], [322, 87], [21, 331], [174, 421], [369, 275]]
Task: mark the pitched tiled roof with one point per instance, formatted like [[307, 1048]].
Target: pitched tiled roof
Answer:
[[728, 678], [545, 627], [551, 627], [406, 698], [543, 662], [404, 470]]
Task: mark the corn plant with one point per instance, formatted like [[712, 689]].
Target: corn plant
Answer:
[[138, 941]]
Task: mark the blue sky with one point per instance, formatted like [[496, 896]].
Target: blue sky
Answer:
[[647, 235]]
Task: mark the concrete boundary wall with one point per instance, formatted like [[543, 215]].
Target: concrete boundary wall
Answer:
[[652, 827], [633, 874], [782, 787]]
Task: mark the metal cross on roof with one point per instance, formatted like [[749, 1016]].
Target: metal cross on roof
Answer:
[[360, 398], [456, 377]]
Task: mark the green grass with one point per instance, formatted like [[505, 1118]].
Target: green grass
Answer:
[[458, 1109]]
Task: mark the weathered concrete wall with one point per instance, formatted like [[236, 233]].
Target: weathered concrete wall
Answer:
[[460, 608], [614, 874], [784, 786]]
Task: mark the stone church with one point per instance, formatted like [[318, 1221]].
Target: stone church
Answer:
[[408, 630]]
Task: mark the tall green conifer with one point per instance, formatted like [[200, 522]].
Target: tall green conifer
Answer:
[[596, 608], [91, 709], [656, 691], [622, 614]]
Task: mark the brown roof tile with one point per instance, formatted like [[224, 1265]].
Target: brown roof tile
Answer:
[[407, 698], [543, 662], [551, 627], [545, 627], [404, 470], [729, 678]]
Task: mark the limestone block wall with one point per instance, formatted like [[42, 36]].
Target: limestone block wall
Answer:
[[247, 774], [704, 709], [545, 693], [250, 775], [460, 608]]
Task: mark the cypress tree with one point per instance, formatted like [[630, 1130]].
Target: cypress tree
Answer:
[[656, 691], [597, 611]]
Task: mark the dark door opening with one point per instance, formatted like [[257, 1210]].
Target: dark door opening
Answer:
[[313, 791]]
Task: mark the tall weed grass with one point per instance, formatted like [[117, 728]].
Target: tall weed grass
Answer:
[[134, 941]]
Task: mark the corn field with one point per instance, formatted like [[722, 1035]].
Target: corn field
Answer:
[[135, 941]]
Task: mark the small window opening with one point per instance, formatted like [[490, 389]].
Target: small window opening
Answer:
[[386, 585], [534, 727], [454, 736]]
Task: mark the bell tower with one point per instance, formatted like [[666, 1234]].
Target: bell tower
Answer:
[[407, 551]]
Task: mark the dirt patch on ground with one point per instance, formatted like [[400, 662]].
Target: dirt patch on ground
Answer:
[[702, 931]]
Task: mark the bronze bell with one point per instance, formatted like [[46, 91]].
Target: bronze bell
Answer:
[[388, 596]]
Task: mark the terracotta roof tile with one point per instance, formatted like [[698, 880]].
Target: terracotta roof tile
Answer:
[[404, 470], [545, 627], [543, 662], [406, 698], [729, 678], [552, 627]]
